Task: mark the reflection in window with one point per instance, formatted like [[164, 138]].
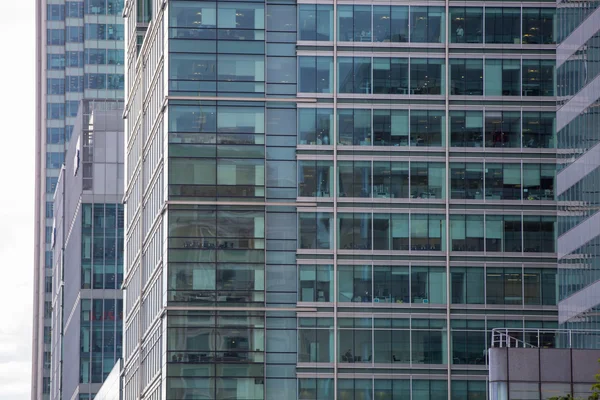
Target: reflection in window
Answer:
[[315, 178], [539, 25], [355, 231], [466, 232], [315, 74], [390, 76], [315, 283], [354, 74], [315, 389], [315, 231], [427, 24], [315, 22], [390, 127], [354, 23], [315, 340], [503, 25], [467, 285], [538, 78], [354, 127]]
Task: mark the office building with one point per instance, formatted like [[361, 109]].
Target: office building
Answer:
[[579, 176], [335, 200], [87, 243], [79, 55]]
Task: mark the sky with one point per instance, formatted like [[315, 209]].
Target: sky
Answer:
[[17, 165]]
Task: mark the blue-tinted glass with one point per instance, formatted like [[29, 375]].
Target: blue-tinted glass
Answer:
[[56, 111], [56, 12], [95, 6], [56, 86], [51, 184], [95, 31], [115, 81], [115, 57], [115, 32], [55, 37], [68, 132], [74, 59], [74, 34], [72, 108], [115, 7], [54, 160], [56, 61], [95, 81], [74, 84], [49, 209], [55, 135], [74, 9], [95, 56]]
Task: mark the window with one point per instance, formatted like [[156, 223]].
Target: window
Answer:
[[354, 127], [315, 283], [315, 22], [502, 181], [427, 76], [539, 130], [466, 232], [427, 128], [95, 81], [315, 74], [468, 344], [51, 185], [56, 111], [502, 129], [427, 24], [354, 23], [315, 126], [538, 78], [55, 135], [115, 57], [95, 31], [315, 178], [502, 77], [315, 230], [56, 86], [74, 59], [54, 160], [503, 25], [72, 107], [390, 76], [466, 25], [539, 25], [49, 209], [315, 389], [95, 7], [56, 61], [55, 37], [466, 77], [466, 180], [95, 56], [355, 231], [74, 84], [390, 24], [427, 232], [56, 12], [74, 34], [354, 74], [315, 340], [467, 285], [466, 128], [74, 9]]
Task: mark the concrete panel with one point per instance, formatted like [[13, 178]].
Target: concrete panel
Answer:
[[556, 365], [524, 365], [498, 364], [586, 365]]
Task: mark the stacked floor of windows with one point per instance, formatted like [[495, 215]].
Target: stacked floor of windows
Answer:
[[358, 194]]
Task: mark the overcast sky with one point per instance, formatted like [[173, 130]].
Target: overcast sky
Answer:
[[17, 124]]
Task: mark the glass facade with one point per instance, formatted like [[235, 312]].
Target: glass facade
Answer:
[[341, 200], [577, 139], [81, 56]]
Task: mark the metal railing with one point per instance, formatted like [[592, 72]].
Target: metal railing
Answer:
[[545, 338]]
